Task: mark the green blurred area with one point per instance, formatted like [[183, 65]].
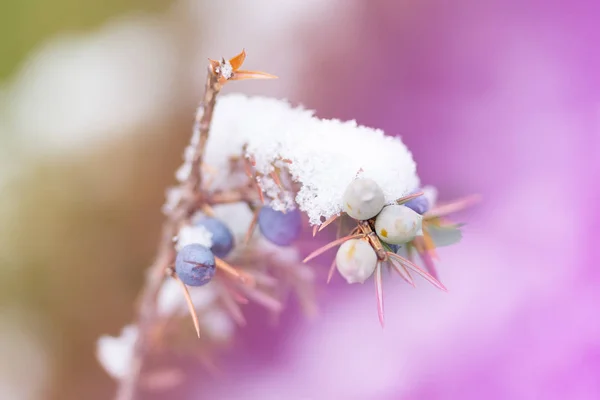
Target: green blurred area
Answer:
[[70, 260], [24, 24]]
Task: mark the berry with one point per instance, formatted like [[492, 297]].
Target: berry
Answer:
[[195, 265], [394, 247], [222, 238], [363, 199], [397, 224], [279, 227], [419, 204], [356, 260]]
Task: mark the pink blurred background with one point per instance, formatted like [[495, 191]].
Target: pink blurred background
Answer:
[[499, 98]]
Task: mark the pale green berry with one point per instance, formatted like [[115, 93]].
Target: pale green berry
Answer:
[[363, 199], [398, 224], [356, 260]]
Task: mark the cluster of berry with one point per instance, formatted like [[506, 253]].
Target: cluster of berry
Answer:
[[394, 224], [196, 265]]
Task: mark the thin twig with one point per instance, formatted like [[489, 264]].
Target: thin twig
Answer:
[[146, 317], [192, 200]]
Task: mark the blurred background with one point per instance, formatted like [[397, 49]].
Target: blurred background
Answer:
[[493, 97]]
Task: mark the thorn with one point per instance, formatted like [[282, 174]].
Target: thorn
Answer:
[[379, 293], [190, 304], [232, 307], [315, 229], [328, 221], [230, 288], [238, 297], [237, 61], [418, 270], [340, 226], [429, 264], [260, 192], [241, 75], [331, 271], [263, 298], [426, 257], [251, 227], [208, 210], [455, 206], [248, 169], [286, 160], [429, 245], [242, 276], [402, 271], [330, 245], [262, 278], [409, 252], [275, 176], [408, 198]]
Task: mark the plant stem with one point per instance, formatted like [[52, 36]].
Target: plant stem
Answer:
[[129, 385], [202, 125]]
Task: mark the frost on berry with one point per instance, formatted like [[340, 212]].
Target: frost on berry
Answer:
[[397, 224], [195, 265], [193, 234], [221, 236], [356, 260], [363, 199], [280, 228]]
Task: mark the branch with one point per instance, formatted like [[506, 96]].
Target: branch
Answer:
[[219, 72]]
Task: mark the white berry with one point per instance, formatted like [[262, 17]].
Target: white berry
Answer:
[[363, 199], [398, 224], [356, 260]]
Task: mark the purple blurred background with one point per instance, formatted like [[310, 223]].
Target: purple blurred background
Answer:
[[499, 98]]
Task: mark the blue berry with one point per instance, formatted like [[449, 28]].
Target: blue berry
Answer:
[[279, 227], [420, 204], [222, 238], [195, 265], [394, 247]]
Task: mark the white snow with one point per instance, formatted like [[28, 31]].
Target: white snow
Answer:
[[115, 353], [237, 216], [190, 234], [171, 300], [217, 323], [325, 155]]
